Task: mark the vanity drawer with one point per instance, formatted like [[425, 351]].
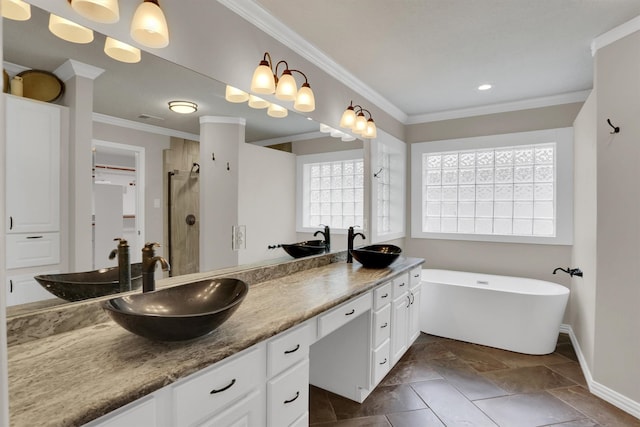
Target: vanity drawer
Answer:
[[288, 395], [32, 249], [414, 276], [381, 362], [288, 348], [382, 296], [400, 285], [381, 325], [341, 315], [206, 393]]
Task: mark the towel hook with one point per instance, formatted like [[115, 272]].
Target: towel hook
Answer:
[[616, 129]]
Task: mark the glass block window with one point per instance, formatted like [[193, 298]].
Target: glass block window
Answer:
[[499, 191], [333, 193], [383, 187]]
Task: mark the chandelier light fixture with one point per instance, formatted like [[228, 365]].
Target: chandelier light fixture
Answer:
[[103, 11], [121, 51], [17, 10], [149, 25], [353, 118], [183, 107], [266, 81], [69, 30]]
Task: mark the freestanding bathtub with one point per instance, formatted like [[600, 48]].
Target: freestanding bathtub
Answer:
[[511, 313]]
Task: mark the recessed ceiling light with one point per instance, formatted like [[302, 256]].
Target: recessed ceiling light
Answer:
[[485, 86]]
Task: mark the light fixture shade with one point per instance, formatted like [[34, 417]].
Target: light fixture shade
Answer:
[[69, 30], [17, 10], [235, 95], [324, 128], [263, 80], [305, 101], [287, 88], [103, 11], [348, 118], [348, 138], [277, 111], [370, 131], [360, 126], [337, 133], [121, 51], [258, 103], [183, 107], [149, 26]]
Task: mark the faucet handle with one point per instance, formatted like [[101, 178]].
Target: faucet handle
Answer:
[[121, 241], [152, 245]]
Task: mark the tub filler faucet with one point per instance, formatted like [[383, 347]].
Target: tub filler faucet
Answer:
[[350, 238], [570, 271], [149, 260]]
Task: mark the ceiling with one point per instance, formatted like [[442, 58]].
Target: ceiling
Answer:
[[429, 56]]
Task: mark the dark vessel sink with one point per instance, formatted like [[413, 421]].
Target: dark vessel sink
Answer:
[[306, 248], [88, 284], [179, 313], [376, 256]]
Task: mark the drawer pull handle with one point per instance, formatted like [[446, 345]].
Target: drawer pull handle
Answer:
[[11, 223], [408, 301], [413, 298], [385, 295], [34, 237], [291, 400], [292, 351], [385, 325], [353, 310], [416, 275], [401, 284], [233, 381], [10, 285], [384, 361]]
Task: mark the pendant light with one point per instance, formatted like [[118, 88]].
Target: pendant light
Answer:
[[121, 51], [235, 95], [370, 131], [257, 103], [287, 88], [348, 118], [360, 126], [69, 30], [277, 111], [17, 10], [305, 101], [149, 26], [103, 11], [263, 80], [357, 122]]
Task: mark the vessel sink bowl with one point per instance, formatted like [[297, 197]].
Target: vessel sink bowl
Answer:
[[306, 248], [178, 313], [376, 256], [88, 284]]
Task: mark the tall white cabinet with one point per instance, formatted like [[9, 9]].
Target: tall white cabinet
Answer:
[[33, 144]]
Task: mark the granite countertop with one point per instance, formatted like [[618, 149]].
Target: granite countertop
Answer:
[[74, 377]]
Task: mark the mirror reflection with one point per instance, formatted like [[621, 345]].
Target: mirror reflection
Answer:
[[146, 165]]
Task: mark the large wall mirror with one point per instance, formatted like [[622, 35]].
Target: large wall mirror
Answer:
[[126, 94]]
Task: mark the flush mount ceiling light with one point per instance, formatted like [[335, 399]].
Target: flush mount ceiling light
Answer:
[[235, 95], [183, 107], [149, 25], [17, 10], [103, 11], [353, 118], [69, 30], [121, 51], [266, 81], [485, 86]]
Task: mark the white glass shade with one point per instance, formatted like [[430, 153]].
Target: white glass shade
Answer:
[[235, 95], [183, 107], [337, 133], [69, 30], [121, 51], [360, 126], [287, 88], [305, 101], [324, 128], [348, 138], [16, 10], [258, 103], [263, 80], [348, 118], [370, 131], [277, 111], [104, 11], [149, 26]]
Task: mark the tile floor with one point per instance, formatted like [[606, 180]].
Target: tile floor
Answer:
[[443, 382]]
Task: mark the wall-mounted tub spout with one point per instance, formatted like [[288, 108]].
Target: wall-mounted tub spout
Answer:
[[570, 271]]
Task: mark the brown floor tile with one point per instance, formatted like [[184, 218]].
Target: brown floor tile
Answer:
[[528, 410], [426, 350], [320, 409], [571, 370], [419, 418], [383, 400], [379, 421], [410, 371], [528, 379], [564, 338], [595, 408], [428, 338], [450, 405], [566, 349], [474, 356], [466, 380], [519, 360]]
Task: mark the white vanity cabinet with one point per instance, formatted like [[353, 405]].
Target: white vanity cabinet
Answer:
[[414, 308], [400, 317]]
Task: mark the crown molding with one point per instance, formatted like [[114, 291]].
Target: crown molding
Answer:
[[252, 12], [71, 68], [615, 34], [223, 120], [291, 138], [143, 127], [525, 104]]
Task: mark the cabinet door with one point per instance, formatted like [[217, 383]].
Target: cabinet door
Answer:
[[247, 412], [141, 413], [414, 314], [400, 327], [33, 166], [24, 289]]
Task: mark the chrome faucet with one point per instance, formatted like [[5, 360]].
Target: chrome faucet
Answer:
[[149, 260], [124, 265], [327, 237], [350, 237]]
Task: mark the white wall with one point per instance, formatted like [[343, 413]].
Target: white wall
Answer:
[[266, 201]]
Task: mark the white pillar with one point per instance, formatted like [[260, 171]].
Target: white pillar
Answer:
[[220, 139]]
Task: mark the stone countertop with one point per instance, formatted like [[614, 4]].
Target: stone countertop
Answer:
[[74, 377]]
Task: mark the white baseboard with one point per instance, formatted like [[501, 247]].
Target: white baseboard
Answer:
[[616, 399]]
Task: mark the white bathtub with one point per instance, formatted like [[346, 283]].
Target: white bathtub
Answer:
[[511, 313]]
